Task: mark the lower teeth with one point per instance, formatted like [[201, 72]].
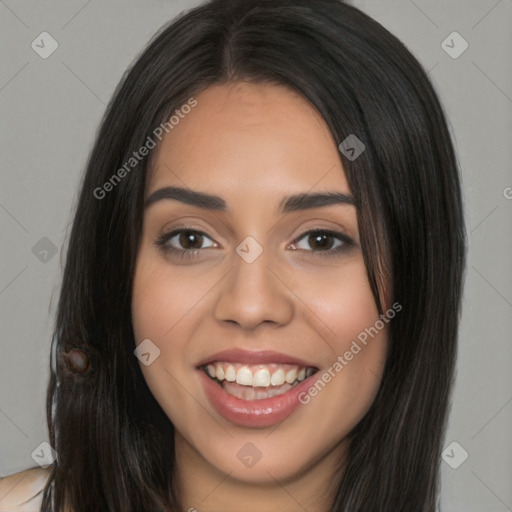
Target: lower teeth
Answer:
[[250, 393]]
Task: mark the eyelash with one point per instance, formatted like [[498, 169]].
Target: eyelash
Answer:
[[162, 243]]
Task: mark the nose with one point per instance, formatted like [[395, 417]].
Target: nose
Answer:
[[254, 293]]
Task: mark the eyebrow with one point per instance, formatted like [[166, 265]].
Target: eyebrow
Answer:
[[211, 202]]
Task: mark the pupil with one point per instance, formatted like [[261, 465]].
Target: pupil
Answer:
[[321, 241], [188, 239]]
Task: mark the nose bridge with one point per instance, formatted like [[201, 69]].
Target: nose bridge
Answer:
[[251, 293]]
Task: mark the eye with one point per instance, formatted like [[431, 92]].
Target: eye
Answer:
[[185, 241], [322, 241]]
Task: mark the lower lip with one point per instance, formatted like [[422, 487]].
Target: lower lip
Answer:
[[252, 413]]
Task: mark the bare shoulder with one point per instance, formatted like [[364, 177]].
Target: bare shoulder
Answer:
[[23, 491]]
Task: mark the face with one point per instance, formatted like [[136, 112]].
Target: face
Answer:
[[250, 285]]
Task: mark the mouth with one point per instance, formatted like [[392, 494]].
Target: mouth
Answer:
[[259, 381], [255, 389]]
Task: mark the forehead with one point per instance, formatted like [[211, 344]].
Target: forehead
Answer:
[[243, 138]]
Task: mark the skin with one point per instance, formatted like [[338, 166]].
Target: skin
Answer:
[[253, 145], [21, 492]]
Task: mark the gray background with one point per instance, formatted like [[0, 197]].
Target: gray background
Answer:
[[50, 109]]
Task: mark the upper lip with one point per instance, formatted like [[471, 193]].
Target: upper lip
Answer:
[[239, 355]]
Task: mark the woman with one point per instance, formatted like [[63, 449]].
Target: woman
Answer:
[[261, 296]]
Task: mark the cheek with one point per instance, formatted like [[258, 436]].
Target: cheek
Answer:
[[163, 297], [159, 308], [344, 313], [340, 303]]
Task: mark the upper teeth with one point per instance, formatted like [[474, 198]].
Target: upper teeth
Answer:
[[261, 375]]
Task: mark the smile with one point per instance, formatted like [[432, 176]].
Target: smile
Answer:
[[254, 389]]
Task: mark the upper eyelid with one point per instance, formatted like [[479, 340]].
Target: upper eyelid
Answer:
[[171, 233], [344, 238]]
